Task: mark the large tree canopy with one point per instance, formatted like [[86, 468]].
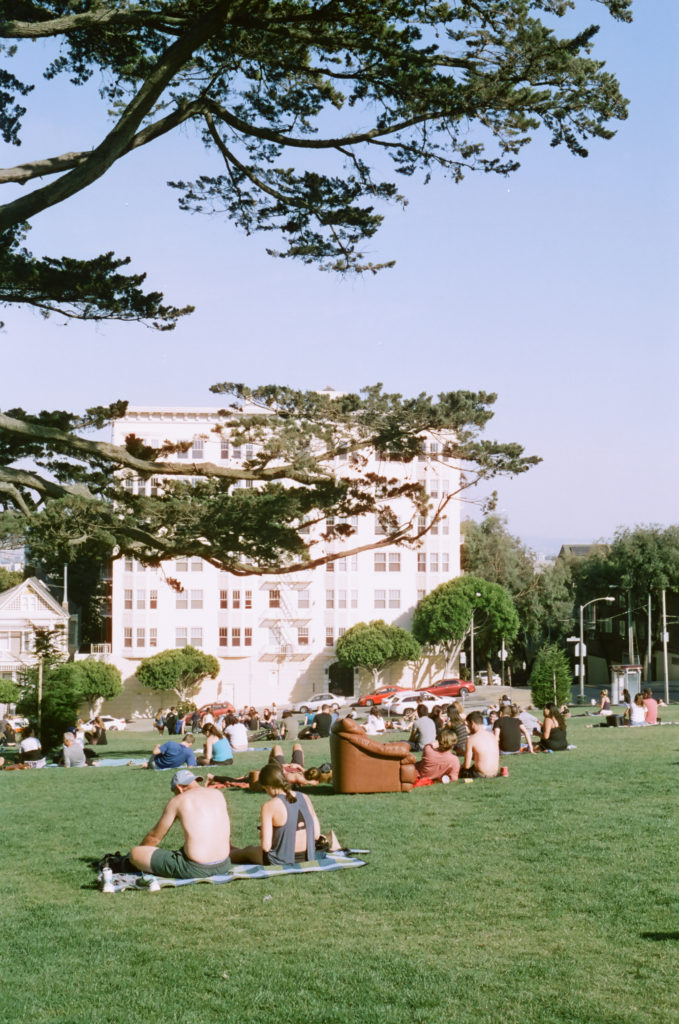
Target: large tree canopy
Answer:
[[310, 462], [304, 103]]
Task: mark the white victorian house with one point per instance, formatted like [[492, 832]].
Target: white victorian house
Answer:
[[23, 609]]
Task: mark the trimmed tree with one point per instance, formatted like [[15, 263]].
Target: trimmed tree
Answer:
[[443, 618], [181, 671], [373, 645], [550, 680], [99, 682]]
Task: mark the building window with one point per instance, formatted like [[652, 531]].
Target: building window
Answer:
[[181, 565], [153, 599], [445, 488], [181, 636], [421, 594], [129, 565], [330, 599], [196, 636], [129, 594], [154, 487], [223, 636], [181, 600], [329, 637], [141, 486], [434, 527], [433, 489], [128, 484], [247, 636], [329, 566], [341, 565], [196, 598], [141, 599], [235, 598], [353, 565], [421, 561], [223, 448], [248, 599], [236, 452], [379, 529], [198, 449], [303, 636], [380, 561], [302, 598], [341, 598], [433, 561], [445, 562], [394, 598], [141, 637], [223, 599], [127, 637], [354, 598], [380, 599], [249, 451], [394, 561], [274, 599], [196, 565], [153, 637], [445, 526], [341, 631], [235, 636]]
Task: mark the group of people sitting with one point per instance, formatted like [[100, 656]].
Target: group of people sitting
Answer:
[[640, 710], [455, 745], [76, 750]]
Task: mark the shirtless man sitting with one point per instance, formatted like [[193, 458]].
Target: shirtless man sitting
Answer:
[[482, 756], [204, 819]]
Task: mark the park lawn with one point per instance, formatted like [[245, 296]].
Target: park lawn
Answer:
[[549, 896]]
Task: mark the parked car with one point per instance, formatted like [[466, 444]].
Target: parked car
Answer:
[[379, 695], [111, 723], [452, 688], [405, 704], [316, 702], [217, 710], [482, 679]]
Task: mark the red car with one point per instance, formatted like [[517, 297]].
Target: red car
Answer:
[[378, 695], [452, 688], [219, 709]]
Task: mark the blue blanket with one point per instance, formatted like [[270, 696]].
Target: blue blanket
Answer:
[[141, 880]]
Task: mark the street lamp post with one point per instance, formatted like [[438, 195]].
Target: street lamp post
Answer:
[[471, 642], [581, 670]]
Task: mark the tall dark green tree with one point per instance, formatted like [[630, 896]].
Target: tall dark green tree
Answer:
[[638, 564], [543, 595], [312, 109], [550, 678]]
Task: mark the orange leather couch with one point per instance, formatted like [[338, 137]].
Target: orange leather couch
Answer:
[[362, 765]]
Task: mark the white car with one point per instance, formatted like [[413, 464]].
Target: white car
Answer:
[[405, 704], [111, 724], [316, 702], [482, 679]]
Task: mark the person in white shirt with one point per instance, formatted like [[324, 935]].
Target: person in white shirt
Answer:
[[375, 723], [237, 734]]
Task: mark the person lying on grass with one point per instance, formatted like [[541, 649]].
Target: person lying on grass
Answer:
[[204, 819], [295, 772], [482, 755], [289, 826], [439, 758]]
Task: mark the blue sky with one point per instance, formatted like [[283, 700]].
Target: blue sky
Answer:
[[556, 288]]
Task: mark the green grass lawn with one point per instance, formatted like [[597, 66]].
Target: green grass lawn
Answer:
[[548, 896]]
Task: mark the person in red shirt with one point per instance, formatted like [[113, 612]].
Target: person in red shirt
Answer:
[[651, 708]]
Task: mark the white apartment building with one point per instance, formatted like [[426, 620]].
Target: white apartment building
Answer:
[[274, 636]]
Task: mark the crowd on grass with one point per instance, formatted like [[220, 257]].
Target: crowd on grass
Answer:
[[452, 745]]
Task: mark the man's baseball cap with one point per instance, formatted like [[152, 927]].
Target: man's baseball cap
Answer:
[[184, 778]]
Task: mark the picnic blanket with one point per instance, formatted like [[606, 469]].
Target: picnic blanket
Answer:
[[122, 881]]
